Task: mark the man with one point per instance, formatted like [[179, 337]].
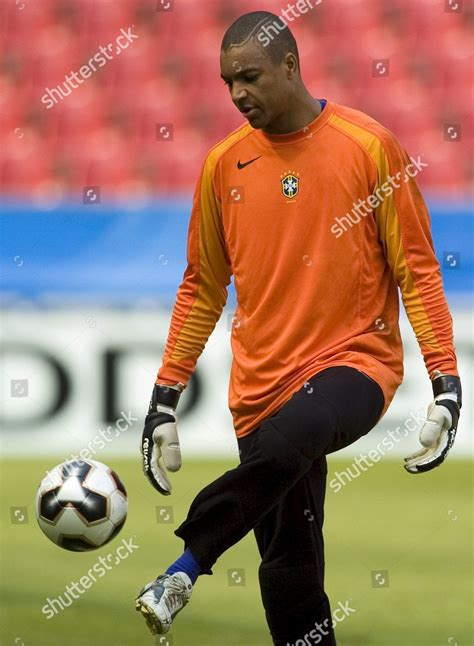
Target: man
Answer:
[[317, 353]]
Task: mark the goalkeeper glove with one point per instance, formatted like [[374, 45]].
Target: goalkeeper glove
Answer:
[[439, 430], [159, 445]]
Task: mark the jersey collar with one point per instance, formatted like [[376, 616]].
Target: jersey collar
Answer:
[[306, 132]]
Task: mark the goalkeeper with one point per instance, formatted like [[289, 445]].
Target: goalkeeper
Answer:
[[313, 208]]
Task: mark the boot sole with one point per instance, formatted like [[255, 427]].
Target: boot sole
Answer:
[[154, 624]]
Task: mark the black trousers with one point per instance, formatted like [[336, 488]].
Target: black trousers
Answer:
[[278, 491]]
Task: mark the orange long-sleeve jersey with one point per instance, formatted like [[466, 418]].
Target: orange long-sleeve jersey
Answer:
[[319, 228]]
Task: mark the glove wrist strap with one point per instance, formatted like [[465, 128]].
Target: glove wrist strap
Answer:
[[447, 384], [166, 395]]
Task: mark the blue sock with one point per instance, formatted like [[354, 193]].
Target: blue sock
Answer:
[[186, 563]]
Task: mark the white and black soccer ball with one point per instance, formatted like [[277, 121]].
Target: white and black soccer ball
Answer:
[[81, 505]]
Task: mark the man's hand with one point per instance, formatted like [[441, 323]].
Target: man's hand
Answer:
[[439, 430], [160, 444]]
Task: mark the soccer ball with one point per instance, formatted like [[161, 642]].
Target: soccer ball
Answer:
[[81, 505]]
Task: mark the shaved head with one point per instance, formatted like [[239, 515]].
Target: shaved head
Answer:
[[260, 66], [265, 29]]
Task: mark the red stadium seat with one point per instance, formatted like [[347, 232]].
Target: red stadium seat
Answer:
[[24, 163], [107, 18], [106, 129]]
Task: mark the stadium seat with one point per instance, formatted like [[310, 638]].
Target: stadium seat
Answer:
[[170, 75]]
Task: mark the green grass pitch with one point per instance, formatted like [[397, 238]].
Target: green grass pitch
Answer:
[[417, 528]]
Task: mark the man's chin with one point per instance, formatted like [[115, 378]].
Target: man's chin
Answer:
[[256, 120]]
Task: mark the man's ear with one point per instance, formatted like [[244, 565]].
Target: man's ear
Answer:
[[291, 65]]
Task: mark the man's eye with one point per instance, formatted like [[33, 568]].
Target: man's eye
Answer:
[[250, 79]]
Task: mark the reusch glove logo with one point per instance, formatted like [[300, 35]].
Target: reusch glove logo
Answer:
[[146, 445], [152, 421]]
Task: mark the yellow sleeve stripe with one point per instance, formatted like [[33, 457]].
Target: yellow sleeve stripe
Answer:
[[223, 146], [389, 228], [208, 259]]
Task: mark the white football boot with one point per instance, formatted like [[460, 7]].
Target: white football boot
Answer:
[[162, 599]]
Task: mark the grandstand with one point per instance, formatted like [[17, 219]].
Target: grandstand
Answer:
[[105, 131]]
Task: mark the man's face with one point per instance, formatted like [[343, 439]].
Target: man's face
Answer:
[[257, 87]]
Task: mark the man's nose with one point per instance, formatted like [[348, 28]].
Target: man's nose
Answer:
[[238, 92]]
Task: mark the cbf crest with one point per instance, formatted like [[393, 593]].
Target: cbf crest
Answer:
[[290, 184]]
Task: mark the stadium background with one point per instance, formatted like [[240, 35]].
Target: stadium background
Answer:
[[96, 195]]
